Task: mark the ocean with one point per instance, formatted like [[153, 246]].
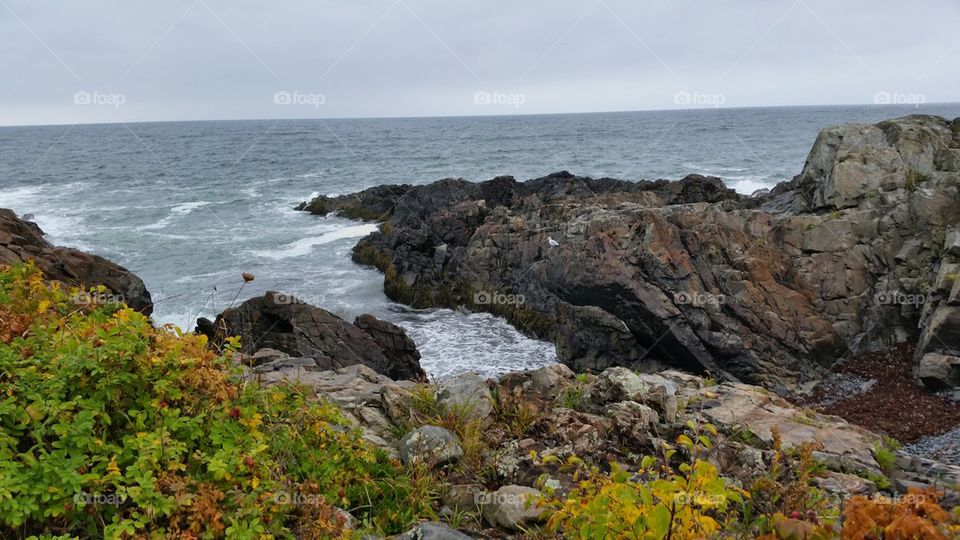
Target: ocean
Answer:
[[189, 206]]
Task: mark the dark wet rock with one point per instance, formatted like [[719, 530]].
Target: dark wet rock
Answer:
[[21, 241], [281, 322]]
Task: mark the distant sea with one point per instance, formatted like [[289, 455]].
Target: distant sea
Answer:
[[188, 206]]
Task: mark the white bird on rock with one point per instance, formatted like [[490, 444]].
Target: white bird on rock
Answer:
[[552, 242]]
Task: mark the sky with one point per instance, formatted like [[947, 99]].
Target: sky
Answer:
[[110, 61]]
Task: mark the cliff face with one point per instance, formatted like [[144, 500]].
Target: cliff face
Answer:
[[857, 252], [22, 240]]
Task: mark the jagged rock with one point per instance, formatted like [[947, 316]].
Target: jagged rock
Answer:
[[396, 401], [586, 433], [620, 384], [281, 322], [463, 496], [21, 241], [939, 371], [685, 274], [266, 355], [634, 421], [397, 346], [549, 381], [513, 507], [432, 445], [467, 393], [431, 530]]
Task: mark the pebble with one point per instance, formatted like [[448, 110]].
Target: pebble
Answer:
[[944, 447]]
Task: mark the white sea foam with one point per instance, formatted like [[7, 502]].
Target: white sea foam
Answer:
[[305, 245]]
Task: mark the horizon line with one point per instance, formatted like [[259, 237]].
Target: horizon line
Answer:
[[451, 116]]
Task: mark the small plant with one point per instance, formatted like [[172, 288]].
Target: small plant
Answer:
[[914, 179], [573, 397], [885, 452]]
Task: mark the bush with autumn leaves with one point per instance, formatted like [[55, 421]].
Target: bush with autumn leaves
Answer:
[[112, 428]]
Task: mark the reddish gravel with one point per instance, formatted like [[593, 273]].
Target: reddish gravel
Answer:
[[897, 405]]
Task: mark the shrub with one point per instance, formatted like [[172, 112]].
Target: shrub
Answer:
[[110, 427], [655, 502], [917, 515]]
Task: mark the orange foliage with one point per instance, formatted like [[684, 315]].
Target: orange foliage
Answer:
[[916, 516]]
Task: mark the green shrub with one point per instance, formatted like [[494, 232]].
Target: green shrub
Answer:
[[110, 427]]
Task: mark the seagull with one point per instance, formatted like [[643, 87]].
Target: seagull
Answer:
[[552, 242]]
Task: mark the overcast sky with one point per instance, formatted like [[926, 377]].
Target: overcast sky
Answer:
[[123, 60]]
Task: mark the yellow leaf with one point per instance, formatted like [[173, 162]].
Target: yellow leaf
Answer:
[[255, 483]]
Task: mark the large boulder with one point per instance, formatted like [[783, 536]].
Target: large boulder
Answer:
[[284, 323], [22, 241]]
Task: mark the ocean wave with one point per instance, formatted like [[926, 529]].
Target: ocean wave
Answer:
[[304, 246]]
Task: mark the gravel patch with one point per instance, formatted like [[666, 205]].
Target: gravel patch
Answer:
[[944, 448]]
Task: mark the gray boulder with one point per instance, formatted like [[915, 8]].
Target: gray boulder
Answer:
[[467, 393], [431, 445], [512, 507]]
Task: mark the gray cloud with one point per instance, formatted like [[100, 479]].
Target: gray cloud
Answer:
[[215, 59]]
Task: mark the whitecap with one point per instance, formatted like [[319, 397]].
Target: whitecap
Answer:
[[305, 245], [187, 207]]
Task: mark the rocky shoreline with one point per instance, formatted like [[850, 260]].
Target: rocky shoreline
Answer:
[[858, 252], [797, 325]]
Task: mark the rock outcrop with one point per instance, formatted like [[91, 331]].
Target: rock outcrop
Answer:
[[22, 241], [282, 323], [856, 253], [612, 417]]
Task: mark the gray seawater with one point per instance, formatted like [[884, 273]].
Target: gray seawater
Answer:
[[188, 206]]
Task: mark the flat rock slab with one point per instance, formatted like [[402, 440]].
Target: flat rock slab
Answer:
[[738, 406]]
